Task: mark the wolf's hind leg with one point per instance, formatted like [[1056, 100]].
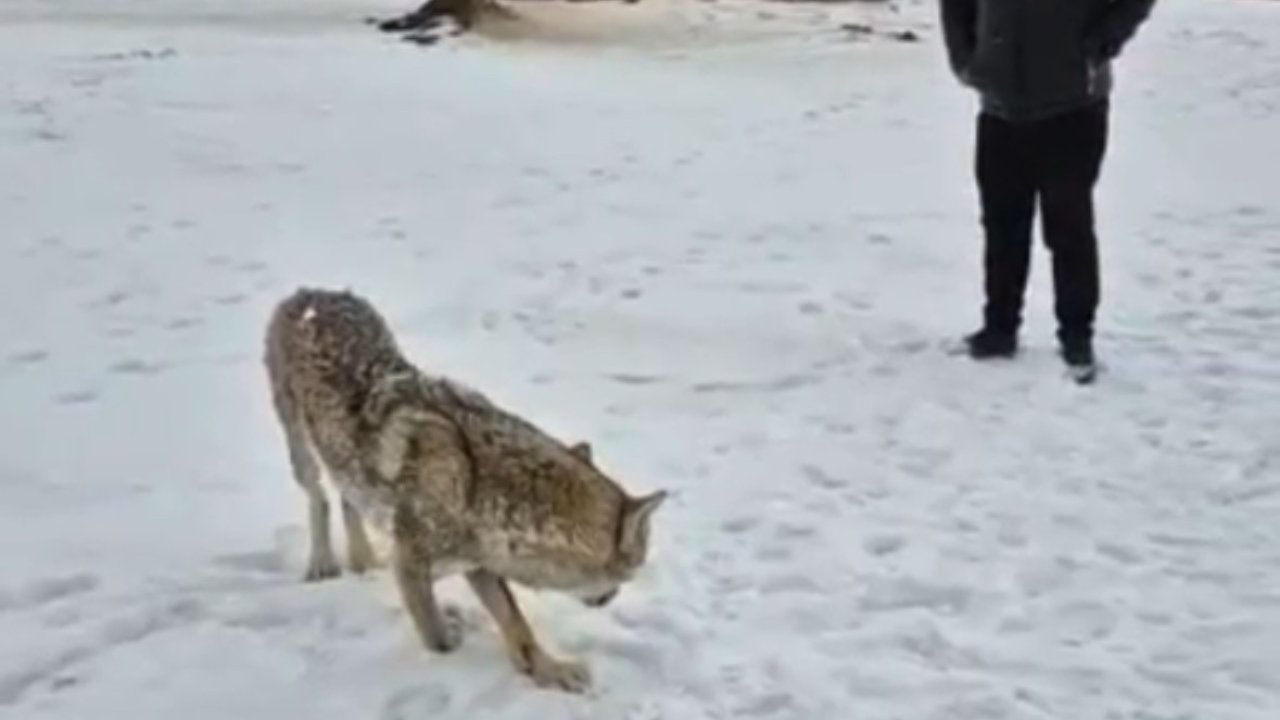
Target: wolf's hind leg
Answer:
[[306, 471]]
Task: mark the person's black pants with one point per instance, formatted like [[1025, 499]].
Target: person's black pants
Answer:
[[1056, 162]]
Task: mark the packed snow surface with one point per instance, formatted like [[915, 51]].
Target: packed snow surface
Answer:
[[726, 243]]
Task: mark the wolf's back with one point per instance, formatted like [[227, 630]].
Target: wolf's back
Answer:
[[337, 335]]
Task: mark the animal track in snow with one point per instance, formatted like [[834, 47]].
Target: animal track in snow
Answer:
[[269, 562], [766, 705], [76, 397], [391, 228], [781, 383], [740, 524], [791, 582], [926, 642], [1180, 540], [111, 299], [790, 531], [1119, 553], [1082, 622], [1037, 579], [183, 323], [1246, 494], [415, 702], [884, 544], [650, 620], [264, 619], [635, 379], [29, 357], [47, 591], [53, 670], [811, 308], [135, 367], [1254, 676], [906, 593], [834, 426], [773, 553], [821, 478]]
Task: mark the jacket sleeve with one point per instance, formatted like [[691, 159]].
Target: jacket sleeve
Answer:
[[1117, 25], [959, 30]]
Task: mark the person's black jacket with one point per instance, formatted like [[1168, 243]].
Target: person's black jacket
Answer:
[[1030, 59]]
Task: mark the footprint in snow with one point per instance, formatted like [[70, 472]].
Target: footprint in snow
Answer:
[[811, 308], [634, 379], [76, 397], [415, 702], [1118, 553], [907, 593], [49, 590], [773, 553], [111, 299], [29, 357], [881, 545], [1254, 675], [821, 478], [767, 705], [1083, 622], [740, 524], [135, 367], [183, 323], [267, 562], [788, 583]]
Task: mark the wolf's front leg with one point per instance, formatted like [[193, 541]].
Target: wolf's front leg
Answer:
[[360, 555], [439, 631], [528, 657]]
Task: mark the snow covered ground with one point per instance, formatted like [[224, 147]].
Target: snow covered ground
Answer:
[[723, 241]]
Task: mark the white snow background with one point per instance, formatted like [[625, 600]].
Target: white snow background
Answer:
[[723, 242]]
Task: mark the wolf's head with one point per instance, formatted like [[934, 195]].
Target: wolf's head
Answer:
[[630, 547]]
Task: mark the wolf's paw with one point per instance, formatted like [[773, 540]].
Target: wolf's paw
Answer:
[[321, 567], [553, 674], [447, 635]]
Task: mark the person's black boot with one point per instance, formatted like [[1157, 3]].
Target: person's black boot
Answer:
[[989, 343], [1077, 353]]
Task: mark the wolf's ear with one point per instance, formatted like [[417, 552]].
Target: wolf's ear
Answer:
[[582, 449], [635, 524], [643, 507]]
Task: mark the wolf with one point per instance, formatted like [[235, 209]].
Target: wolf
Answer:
[[458, 484]]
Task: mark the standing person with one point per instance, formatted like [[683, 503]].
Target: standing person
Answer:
[[1042, 70]]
